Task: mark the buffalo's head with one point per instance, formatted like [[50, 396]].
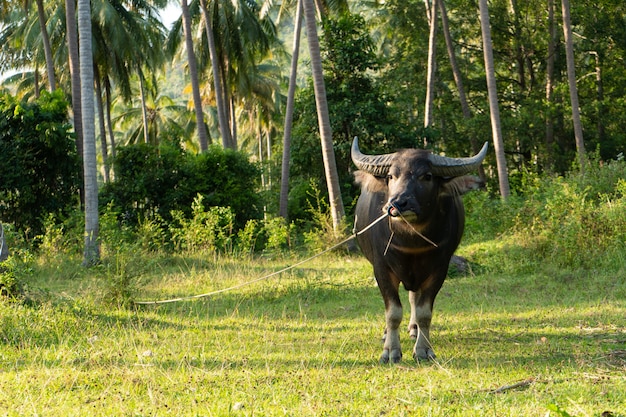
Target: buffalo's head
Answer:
[[414, 179]]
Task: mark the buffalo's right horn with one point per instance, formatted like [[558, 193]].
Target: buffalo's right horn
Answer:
[[377, 165]]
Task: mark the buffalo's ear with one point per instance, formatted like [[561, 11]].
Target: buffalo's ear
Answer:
[[369, 183], [462, 185]]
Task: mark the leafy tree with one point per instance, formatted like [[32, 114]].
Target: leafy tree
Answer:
[[357, 107], [40, 171]]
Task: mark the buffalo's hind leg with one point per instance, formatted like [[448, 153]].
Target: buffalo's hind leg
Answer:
[[419, 326]]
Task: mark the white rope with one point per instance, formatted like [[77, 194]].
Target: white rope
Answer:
[[234, 287]]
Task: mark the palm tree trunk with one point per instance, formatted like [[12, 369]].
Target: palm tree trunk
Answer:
[[550, 81], [518, 45], [107, 89], [323, 118], [144, 108], [46, 45], [295, 53], [222, 118], [458, 80], [571, 77], [233, 121], [91, 254], [103, 137], [498, 143], [432, 66], [193, 75], [72, 47]]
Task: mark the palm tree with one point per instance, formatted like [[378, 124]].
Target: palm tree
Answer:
[[222, 117], [72, 47], [571, 77], [498, 143], [41, 14], [124, 40], [458, 78], [163, 113], [91, 254], [330, 166], [193, 75], [432, 65], [550, 61], [295, 53]]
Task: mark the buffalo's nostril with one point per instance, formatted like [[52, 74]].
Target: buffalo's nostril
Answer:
[[393, 211]]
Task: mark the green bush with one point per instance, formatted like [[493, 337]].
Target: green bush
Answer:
[[41, 170], [573, 221], [13, 274], [209, 229], [153, 183]]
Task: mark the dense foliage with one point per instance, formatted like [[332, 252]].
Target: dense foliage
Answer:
[[576, 221], [39, 167], [157, 181], [358, 107]]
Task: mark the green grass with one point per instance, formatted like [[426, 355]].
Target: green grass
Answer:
[[306, 343]]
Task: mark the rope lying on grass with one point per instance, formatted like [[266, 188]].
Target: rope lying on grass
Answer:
[[208, 294]]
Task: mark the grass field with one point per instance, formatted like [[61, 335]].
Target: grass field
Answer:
[[306, 343]]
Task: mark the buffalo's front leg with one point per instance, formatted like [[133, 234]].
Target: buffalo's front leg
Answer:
[[392, 351], [419, 326]]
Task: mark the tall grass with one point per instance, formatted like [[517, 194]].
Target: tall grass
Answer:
[[577, 221]]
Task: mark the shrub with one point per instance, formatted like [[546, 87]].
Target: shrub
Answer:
[[43, 175], [278, 233], [153, 183], [13, 273], [572, 221], [208, 229]]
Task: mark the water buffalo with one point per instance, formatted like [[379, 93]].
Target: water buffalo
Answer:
[[421, 192]]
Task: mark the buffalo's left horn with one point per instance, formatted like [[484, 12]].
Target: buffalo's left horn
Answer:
[[377, 165], [455, 167]]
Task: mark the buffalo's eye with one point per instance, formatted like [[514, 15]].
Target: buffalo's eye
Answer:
[[427, 176]]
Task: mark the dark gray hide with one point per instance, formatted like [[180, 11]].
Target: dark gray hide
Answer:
[[422, 194]]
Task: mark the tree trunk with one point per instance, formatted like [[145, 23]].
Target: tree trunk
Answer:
[[144, 107], [107, 89], [599, 96], [571, 77], [233, 121], [432, 66], [328, 153], [91, 254], [4, 248], [458, 80], [72, 47], [193, 76], [550, 82], [518, 45], [498, 143], [103, 137], [284, 179], [46, 45], [222, 118]]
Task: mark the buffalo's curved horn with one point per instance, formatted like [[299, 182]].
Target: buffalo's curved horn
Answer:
[[455, 167], [377, 165]]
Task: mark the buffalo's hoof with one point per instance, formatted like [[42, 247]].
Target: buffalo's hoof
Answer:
[[424, 355], [394, 357]]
